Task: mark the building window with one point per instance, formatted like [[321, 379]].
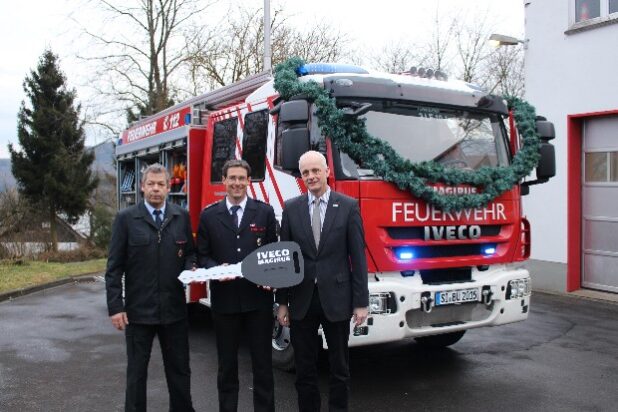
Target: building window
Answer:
[[223, 146], [587, 9], [601, 167], [254, 143], [589, 14]]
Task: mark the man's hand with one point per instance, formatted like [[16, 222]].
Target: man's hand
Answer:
[[360, 316], [282, 315], [120, 320]]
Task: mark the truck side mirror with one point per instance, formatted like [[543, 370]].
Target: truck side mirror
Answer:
[[295, 111], [546, 168], [545, 130], [294, 142]]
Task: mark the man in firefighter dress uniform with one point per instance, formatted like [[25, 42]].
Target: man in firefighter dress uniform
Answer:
[[228, 231], [152, 243]]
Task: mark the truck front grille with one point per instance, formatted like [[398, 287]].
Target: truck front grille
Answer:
[[417, 232]]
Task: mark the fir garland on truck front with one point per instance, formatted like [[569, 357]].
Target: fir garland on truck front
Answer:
[[351, 136]]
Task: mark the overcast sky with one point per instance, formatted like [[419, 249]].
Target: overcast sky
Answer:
[[27, 28]]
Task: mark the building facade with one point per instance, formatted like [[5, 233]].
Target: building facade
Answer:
[[571, 62]]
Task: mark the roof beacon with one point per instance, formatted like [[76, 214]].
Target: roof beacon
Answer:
[[329, 68]]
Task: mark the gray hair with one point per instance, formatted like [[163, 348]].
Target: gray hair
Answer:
[[156, 168], [313, 153]]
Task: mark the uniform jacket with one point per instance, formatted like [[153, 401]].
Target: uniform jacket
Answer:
[[218, 242], [339, 264], [151, 261]]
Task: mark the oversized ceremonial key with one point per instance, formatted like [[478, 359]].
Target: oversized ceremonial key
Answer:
[[277, 265], [213, 273]]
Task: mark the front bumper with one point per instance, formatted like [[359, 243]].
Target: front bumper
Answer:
[[413, 316]]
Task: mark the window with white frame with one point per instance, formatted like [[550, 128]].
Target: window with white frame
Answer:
[[591, 12], [587, 9]]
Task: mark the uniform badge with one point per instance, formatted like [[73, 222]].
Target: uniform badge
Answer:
[[180, 253], [259, 241]]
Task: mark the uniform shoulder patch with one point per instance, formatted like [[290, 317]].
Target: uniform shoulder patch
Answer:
[[210, 205]]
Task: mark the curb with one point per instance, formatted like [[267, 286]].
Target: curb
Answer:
[[575, 295], [12, 294]]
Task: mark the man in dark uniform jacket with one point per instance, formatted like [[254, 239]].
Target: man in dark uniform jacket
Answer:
[[328, 227], [151, 244], [229, 230]]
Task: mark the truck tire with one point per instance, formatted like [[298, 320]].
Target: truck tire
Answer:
[[283, 352], [440, 341]]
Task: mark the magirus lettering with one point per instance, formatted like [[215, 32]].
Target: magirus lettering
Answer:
[[273, 256], [457, 190]]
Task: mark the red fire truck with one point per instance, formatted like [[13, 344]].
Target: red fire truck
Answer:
[[433, 274]]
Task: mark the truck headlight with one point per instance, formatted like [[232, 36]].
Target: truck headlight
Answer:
[[518, 288], [379, 303]]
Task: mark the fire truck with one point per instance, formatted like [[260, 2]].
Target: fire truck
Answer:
[[433, 274]]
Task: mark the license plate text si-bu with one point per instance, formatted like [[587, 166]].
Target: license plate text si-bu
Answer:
[[456, 296]]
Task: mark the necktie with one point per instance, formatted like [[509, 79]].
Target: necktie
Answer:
[[316, 222], [158, 219], [235, 210]]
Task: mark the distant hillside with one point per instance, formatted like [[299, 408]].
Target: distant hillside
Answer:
[[6, 178], [104, 158], [103, 162]]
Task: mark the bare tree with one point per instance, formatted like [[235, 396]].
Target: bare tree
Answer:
[[14, 211], [505, 71], [138, 50], [459, 45], [397, 57], [232, 50], [471, 48], [438, 54]]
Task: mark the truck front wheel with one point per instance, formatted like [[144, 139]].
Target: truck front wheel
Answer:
[[440, 341]]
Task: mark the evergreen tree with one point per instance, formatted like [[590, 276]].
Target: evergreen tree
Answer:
[[52, 168]]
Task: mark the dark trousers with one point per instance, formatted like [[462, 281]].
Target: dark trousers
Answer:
[[174, 342], [304, 335], [229, 329]]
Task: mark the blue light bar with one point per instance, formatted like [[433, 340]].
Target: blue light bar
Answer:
[[489, 250], [329, 68], [404, 253]]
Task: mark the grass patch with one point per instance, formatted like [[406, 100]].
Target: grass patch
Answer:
[[30, 273]]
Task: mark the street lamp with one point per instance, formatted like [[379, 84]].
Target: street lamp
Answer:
[[267, 50], [498, 40]]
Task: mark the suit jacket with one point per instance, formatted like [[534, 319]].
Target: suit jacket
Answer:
[[219, 241], [150, 263], [339, 264]]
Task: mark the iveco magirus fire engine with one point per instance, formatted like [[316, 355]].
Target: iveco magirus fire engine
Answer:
[[433, 274]]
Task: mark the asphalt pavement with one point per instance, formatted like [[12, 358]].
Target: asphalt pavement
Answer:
[[58, 352]]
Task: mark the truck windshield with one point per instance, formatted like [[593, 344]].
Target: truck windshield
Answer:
[[458, 138]]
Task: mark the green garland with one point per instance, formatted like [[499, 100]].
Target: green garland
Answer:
[[351, 136]]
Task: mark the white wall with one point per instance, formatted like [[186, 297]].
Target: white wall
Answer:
[[565, 74]]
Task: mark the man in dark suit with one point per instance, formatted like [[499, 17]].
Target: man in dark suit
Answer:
[[328, 227], [229, 230], [151, 244]]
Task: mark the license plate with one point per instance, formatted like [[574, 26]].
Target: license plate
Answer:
[[457, 296]]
